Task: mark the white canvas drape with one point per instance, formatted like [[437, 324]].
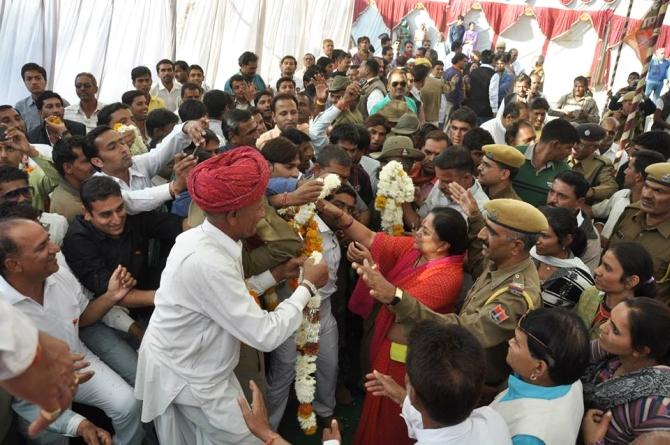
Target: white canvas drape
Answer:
[[110, 37]]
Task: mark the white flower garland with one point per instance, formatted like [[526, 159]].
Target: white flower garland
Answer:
[[307, 344], [395, 187], [307, 335]]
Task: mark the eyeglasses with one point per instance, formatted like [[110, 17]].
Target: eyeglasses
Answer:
[[548, 354], [398, 84], [26, 192]]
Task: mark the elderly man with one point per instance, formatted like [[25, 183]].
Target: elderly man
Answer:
[[86, 111], [397, 90], [185, 372]]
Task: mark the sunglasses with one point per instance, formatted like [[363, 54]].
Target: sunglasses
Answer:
[[398, 84], [547, 350]]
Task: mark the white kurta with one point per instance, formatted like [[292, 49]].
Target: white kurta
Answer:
[[203, 310]]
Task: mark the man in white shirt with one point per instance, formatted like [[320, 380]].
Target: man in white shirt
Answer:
[[86, 111], [445, 375], [453, 165], [282, 372], [167, 88], [33, 282], [634, 176], [513, 112], [109, 154], [204, 309]]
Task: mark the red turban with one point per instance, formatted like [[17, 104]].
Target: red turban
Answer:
[[229, 181]]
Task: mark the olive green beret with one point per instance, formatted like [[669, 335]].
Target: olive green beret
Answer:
[[659, 172], [339, 83], [504, 154], [398, 147], [516, 215], [407, 124]]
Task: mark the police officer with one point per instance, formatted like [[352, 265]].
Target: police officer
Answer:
[[498, 167], [648, 223], [507, 288], [597, 169]]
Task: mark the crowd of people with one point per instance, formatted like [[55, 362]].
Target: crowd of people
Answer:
[[523, 299]]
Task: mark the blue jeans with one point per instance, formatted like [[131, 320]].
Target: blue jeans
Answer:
[[110, 346], [653, 87]]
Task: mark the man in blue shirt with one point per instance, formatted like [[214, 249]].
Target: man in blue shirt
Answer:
[[35, 79], [658, 74]]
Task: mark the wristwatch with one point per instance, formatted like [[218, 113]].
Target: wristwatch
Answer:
[[397, 297]]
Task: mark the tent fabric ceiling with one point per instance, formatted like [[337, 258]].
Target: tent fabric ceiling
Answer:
[[110, 37]]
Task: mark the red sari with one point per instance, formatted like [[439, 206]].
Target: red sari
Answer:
[[437, 285]]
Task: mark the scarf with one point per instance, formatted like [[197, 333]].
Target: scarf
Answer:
[[568, 263], [646, 382]]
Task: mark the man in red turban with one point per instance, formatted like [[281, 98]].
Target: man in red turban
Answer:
[[204, 309]]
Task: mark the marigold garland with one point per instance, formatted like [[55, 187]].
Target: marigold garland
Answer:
[[395, 187], [307, 336]]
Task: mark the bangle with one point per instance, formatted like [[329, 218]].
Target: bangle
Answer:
[[270, 440], [351, 223], [310, 286], [284, 199]]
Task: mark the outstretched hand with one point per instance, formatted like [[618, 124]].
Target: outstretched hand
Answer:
[[380, 288], [383, 385]]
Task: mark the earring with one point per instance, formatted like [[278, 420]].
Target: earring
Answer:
[[533, 377]]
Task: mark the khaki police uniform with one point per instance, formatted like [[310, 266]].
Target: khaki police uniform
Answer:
[[499, 296], [507, 157], [632, 226], [599, 173]]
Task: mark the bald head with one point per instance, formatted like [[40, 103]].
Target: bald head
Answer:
[[26, 251]]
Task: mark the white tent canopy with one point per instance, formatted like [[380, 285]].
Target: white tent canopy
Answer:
[[110, 37]]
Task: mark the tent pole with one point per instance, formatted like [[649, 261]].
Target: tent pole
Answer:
[[660, 6], [623, 34]]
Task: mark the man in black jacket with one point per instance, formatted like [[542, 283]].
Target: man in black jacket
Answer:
[[479, 88], [53, 127]]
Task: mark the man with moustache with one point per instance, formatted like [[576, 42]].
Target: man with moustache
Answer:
[[167, 88], [648, 223], [86, 111], [423, 172]]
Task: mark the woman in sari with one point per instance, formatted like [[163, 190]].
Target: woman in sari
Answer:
[[428, 266], [628, 386]]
